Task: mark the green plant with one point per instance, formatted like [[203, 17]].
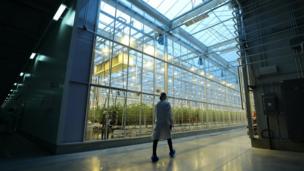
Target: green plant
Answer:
[[136, 114]]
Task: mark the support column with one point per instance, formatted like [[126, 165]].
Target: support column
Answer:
[[166, 65], [77, 84]]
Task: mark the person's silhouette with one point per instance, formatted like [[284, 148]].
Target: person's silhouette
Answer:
[[163, 125]]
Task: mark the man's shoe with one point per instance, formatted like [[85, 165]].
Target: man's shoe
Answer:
[[172, 153], [154, 159]]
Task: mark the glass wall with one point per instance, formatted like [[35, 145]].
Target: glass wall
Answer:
[[133, 62]]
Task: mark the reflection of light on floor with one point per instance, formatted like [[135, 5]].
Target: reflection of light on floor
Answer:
[[196, 164], [96, 164]]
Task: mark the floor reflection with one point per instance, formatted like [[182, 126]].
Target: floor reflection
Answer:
[[228, 151]]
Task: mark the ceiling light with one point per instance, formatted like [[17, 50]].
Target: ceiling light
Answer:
[[15, 84], [196, 19], [59, 12], [32, 56], [21, 74]]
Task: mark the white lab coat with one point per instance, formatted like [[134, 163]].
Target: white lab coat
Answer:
[[163, 120]]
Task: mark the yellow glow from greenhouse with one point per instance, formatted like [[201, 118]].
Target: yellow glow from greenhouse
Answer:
[[149, 50], [125, 40], [105, 50], [127, 59]]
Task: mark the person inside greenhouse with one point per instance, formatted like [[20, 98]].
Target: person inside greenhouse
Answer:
[[163, 126]]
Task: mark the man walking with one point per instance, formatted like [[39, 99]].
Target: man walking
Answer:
[[163, 126]]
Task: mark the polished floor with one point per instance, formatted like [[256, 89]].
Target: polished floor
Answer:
[[222, 151]]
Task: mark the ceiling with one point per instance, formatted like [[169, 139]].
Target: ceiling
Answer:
[[22, 24]]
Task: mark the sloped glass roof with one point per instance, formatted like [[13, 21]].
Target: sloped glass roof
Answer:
[[217, 30], [173, 8]]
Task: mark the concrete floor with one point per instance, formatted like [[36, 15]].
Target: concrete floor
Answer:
[[227, 151]]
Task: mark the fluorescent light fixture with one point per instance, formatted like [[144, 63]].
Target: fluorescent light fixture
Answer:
[[196, 19], [32, 55], [21, 74], [11, 90], [59, 12], [15, 84]]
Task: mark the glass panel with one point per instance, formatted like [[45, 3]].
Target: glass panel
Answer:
[[129, 71], [173, 8]]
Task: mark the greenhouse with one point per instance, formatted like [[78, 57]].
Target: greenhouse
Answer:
[[183, 48]]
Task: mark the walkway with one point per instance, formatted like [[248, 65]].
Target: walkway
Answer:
[[227, 151]]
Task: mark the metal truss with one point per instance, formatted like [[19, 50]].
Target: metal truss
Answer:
[[185, 38]]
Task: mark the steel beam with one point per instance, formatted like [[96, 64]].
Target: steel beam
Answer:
[[184, 34], [224, 43], [164, 26], [150, 11], [199, 10]]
